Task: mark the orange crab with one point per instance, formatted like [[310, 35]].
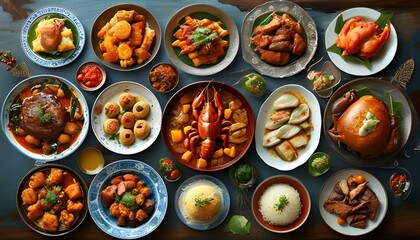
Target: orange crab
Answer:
[[364, 39]]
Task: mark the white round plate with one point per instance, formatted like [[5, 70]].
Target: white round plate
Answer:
[[268, 155], [215, 12], [382, 60], [331, 219], [112, 93], [100, 214], [181, 193], [44, 59], [16, 91], [296, 12]]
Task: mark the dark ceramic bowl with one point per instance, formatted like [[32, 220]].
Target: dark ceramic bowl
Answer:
[[37, 225]]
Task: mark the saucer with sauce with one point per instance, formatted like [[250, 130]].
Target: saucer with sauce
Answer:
[[91, 161]]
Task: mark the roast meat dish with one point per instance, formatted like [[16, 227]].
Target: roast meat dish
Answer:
[[353, 201], [362, 38], [128, 199], [364, 125], [29, 116], [279, 39]]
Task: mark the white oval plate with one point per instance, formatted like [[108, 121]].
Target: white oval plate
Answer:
[[100, 214], [112, 93], [331, 219], [268, 155], [380, 62], [300, 15], [34, 18], [224, 18]]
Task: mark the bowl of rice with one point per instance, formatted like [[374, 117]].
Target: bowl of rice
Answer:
[[281, 204]]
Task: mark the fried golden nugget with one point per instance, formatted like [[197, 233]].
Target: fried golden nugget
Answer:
[[55, 177], [29, 196], [74, 206], [37, 180], [50, 222], [73, 191], [67, 218]]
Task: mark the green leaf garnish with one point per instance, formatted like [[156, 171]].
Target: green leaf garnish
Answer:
[[384, 19], [202, 36], [281, 203], [349, 58], [202, 202], [43, 117], [339, 24]]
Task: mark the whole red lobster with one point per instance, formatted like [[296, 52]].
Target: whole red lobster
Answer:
[[208, 124]]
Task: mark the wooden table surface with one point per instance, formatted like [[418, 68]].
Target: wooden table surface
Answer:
[[402, 217]]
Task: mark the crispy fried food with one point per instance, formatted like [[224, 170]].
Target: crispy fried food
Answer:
[[278, 39], [29, 196], [37, 180], [50, 222]]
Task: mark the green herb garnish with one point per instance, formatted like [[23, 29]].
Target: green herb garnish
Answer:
[[243, 173], [203, 36], [43, 117], [49, 198], [128, 201], [202, 202], [281, 203]]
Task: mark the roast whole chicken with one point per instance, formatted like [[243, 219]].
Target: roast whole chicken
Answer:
[[361, 38]]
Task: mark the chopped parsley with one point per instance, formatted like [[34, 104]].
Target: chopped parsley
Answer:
[[281, 203], [202, 36], [43, 117], [202, 202]]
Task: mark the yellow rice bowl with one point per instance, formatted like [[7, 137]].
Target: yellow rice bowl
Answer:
[[206, 211]]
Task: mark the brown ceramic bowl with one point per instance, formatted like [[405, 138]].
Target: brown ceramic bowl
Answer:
[[36, 225], [188, 92], [163, 82], [304, 198], [106, 15]]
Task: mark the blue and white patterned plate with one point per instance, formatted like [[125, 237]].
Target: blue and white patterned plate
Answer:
[[45, 59], [100, 214], [180, 202]]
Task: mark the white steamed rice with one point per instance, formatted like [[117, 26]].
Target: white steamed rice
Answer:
[[268, 200]]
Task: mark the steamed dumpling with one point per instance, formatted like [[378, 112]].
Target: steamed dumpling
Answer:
[[299, 114], [277, 119], [286, 101], [270, 139], [287, 131]]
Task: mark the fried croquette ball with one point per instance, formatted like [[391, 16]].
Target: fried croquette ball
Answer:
[[74, 206], [128, 120], [112, 109], [127, 137], [141, 109], [73, 191], [141, 129], [111, 126], [50, 222], [114, 210], [126, 101], [35, 211], [67, 218], [37, 180], [55, 177], [29, 196]]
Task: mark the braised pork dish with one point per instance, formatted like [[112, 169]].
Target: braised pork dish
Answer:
[[280, 40], [53, 199], [46, 118], [353, 201], [128, 199]]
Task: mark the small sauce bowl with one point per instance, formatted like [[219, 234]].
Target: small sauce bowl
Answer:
[[163, 77], [318, 172], [401, 183], [329, 69], [90, 76], [91, 161]]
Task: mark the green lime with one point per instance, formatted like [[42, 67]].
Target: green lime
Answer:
[[254, 84]]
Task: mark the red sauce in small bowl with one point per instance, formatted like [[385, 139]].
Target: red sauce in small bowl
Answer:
[[90, 76]]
